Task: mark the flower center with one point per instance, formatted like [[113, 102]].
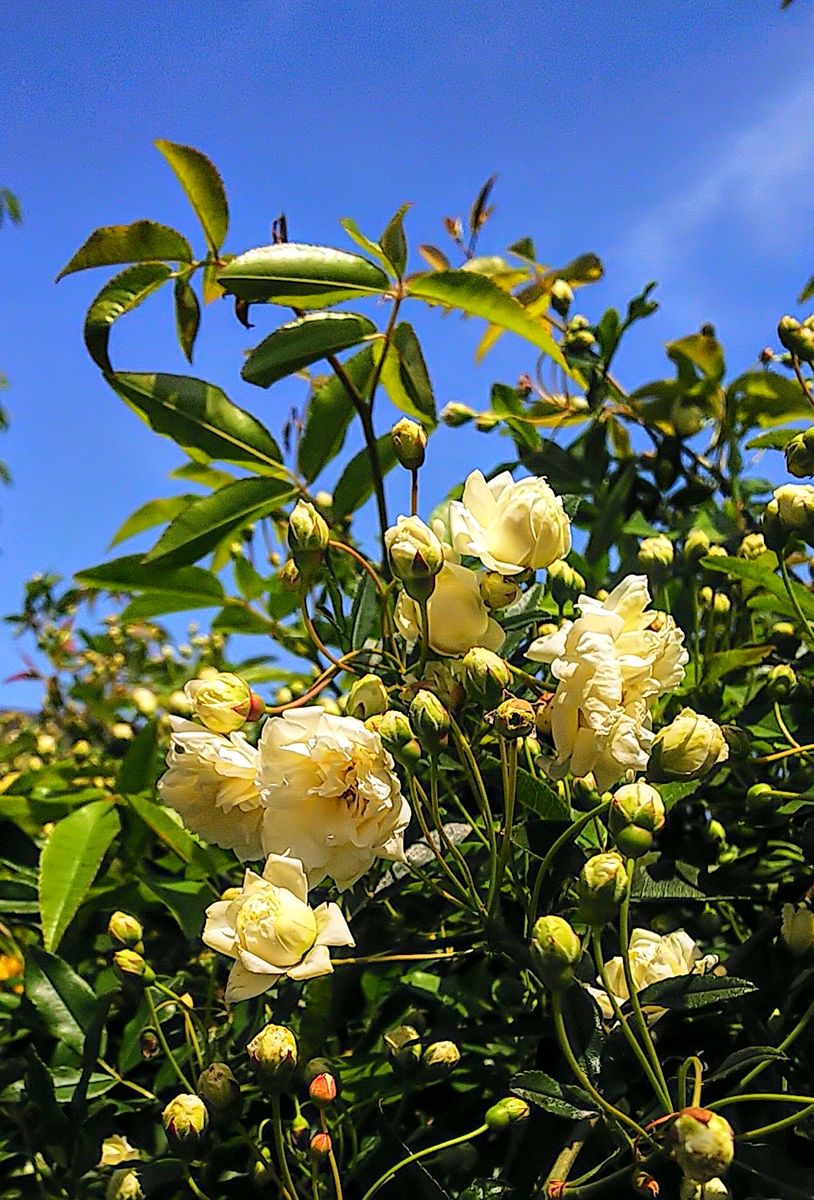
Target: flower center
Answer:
[[277, 927]]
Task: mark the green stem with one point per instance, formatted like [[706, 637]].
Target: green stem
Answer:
[[472, 770], [749, 1097], [435, 810], [508, 770], [197, 1192], [635, 1004], [784, 571], [752, 1135], [460, 889], [419, 1154], [599, 1186], [279, 1147], [784, 1045], [165, 1046], [566, 836], [332, 1159]]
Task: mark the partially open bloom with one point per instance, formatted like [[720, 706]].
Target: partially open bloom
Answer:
[[223, 703], [332, 798], [687, 748], [211, 785], [652, 957], [271, 931], [511, 527], [117, 1150], [185, 1118], [703, 1144], [611, 664], [458, 617], [416, 555], [124, 1185]]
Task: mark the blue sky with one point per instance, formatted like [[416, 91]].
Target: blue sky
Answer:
[[675, 140]]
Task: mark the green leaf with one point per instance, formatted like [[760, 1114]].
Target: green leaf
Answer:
[[726, 661], [355, 485], [405, 379], [302, 342], [186, 899], [171, 832], [187, 315], [534, 794], [236, 617], [154, 512], [301, 276], [120, 295], [70, 860], [671, 793], [775, 439], [131, 573], [393, 241], [808, 290], [143, 241], [329, 413], [64, 1002], [200, 417], [365, 616], [204, 189], [155, 604], [210, 477], [561, 1099], [211, 519], [479, 297], [138, 767], [756, 572], [374, 249], [683, 993], [765, 398]]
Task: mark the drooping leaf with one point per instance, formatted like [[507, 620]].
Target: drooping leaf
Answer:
[[211, 519], [330, 412], [561, 1099], [480, 297], [120, 295], [204, 189], [70, 860], [301, 276], [143, 241], [200, 417], [355, 484], [131, 573], [187, 315], [154, 512], [64, 1002], [405, 378], [302, 342]]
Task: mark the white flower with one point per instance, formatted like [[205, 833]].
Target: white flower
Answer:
[[116, 1150], [271, 931], [332, 798], [611, 664], [687, 748], [652, 957], [510, 527], [211, 785], [458, 617]]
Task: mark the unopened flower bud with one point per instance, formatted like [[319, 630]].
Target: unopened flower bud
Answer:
[[457, 414], [800, 454], [409, 443], [224, 702], [439, 1059], [498, 592], [321, 1145], [145, 701], [636, 813], [124, 1184], [584, 793], [601, 887], [121, 731], [131, 967], [696, 545], [797, 338], [794, 508], [738, 740], [397, 736], [185, 1119], [752, 546], [220, 1090], [797, 929], [557, 951], [416, 556], [46, 745], [562, 295], [366, 698], [513, 718], [80, 749], [430, 720], [300, 1132], [564, 581], [486, 677], [273, 1055], [703, 1144], [688, 748], [656, 551], [402, 1047], [308, 537], [511, 1110], [127, 930], [719, 602], [485, 422], [322, 1089], [781, 682]]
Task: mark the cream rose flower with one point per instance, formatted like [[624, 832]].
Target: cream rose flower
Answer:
[[332, 798], [117, 1150], [270, 930], [211, 785], [457, 615], [688, 748], [611, 664], [652, 957], [511, 527]]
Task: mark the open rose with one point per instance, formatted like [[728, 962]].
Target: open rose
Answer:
[[511, 527]]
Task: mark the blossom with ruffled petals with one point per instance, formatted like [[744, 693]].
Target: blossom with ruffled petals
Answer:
[[511, 527]]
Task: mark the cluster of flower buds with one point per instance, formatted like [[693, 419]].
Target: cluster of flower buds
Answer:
[[797, 337], [656, 551]]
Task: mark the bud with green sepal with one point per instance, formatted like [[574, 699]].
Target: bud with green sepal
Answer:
[[273, 1056], [308, 537], [185, 1120], [416, 556], [511, 1110], [688, 748], [321, 1145], [124, 1184], [696, 545], [562, 295], [556, 950], [497, 591], [409, 443], [781, 682], [800, 454], [223, 702], [403, 1049], [131, 968], [601, 887], [797, 337], [440, 1059], [455, 414], [636, 814], [790, 511], [430, 720], [366, 698], [564, 581], [486, 677], [220, 1090], [126, 930], [703, 1144], [397, 736]]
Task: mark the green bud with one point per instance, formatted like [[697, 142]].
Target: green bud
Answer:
[[185, 1120], [636, 813], [780, 682], [308, 537], [797, 338], [416, 556], [514, 719], [696, 545], [430, 720], [656, 551], [760, 798], [366, 698], [397, 736], [440, 1059], [485, 422], [131, 967], [124, 1184], [273, 1055], [498, 592], [457, 414], [511, 1110], [403, 1049], [409, 443], [800, 454], [703, 1144], [556, 949], [601, 887], [299, 1132], [127, 930], [738, 741], [564, 581], [486, 677], [220, 1090]]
